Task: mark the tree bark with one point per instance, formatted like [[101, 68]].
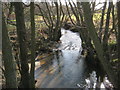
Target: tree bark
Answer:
[[57, 33], [21, 32], [32, 45], [99, 49], [106, 36], [102, 20], [118, 41], [9, 63]]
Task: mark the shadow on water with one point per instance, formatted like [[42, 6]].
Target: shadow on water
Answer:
[[65, 68], [63, 71]]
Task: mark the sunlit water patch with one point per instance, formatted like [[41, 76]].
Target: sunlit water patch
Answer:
[[70, 40]]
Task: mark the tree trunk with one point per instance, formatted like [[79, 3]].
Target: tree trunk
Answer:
[[105, 38], [21, 32], [9, 63], [32, 45], [99, 49], [118, 42], [57, 33], [102, 21]]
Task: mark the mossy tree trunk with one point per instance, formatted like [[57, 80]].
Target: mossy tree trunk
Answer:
[[118, 42], [9, 63], [98, 46]]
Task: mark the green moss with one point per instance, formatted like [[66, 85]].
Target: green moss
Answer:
[[115, 60]]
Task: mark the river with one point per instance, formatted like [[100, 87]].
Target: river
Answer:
[[66, 68]]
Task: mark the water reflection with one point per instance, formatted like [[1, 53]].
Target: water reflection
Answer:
[[65, 68]]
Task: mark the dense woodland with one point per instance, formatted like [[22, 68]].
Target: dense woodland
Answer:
[[32, 28]]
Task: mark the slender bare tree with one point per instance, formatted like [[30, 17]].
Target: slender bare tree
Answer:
[[32, 45], [21, 32]]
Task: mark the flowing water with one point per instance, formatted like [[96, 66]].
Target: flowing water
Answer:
[[66, 68]]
